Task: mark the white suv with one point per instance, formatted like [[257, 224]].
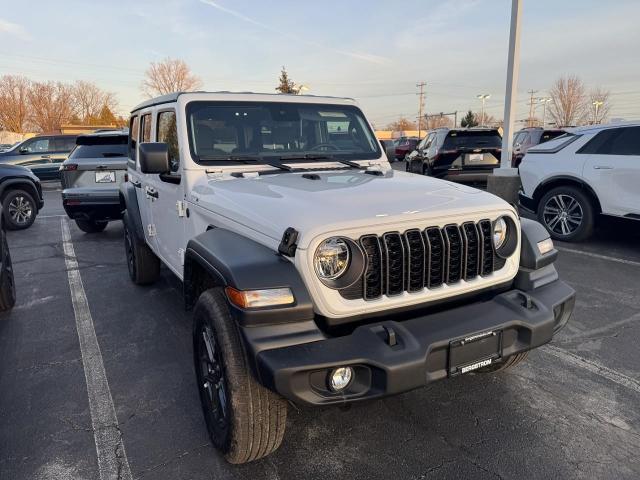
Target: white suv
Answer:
[[309, 277], [590, 170]]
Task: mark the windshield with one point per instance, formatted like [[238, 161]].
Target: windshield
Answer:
[[472, 139], [228, 131]]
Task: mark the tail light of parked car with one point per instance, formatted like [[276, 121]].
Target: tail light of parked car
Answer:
[[68, 167]]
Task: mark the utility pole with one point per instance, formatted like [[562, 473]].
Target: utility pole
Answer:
[[531, 109], [597, 104], [421, 86]]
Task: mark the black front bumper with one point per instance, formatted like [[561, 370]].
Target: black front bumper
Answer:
[[421, 354], [92, 204]]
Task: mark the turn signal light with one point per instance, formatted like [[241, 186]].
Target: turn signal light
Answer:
[[68, 167], [260, 298]]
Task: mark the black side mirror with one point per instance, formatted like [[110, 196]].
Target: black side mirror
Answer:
[[23, 150], [153, 157]]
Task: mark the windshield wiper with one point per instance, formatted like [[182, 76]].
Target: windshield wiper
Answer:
[[312, 156], [247, 159]]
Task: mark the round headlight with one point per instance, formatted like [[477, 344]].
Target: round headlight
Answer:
[[499, 232], [331, 259]]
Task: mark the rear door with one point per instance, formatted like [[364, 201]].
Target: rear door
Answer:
[[612, 168]]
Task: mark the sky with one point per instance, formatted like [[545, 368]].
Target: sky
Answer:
[[374, 51]]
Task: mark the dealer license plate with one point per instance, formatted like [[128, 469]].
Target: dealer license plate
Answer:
[[475, 351], [475, 158], [106, 176]]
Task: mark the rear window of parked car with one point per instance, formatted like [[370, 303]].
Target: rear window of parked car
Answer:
[[100, 151], [472, 139]]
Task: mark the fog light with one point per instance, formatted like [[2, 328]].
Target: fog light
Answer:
[[340, 378]]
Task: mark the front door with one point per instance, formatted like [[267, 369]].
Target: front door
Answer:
[[168, 198]]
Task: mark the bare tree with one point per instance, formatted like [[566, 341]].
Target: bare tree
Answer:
[[600, 103], [14, 105], [52, 104], [568, 101], [91, 100], [402, 124], [170, 75], [437, 121]]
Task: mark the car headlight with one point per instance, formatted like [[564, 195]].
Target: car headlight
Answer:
[[331, 259], [499, 232]]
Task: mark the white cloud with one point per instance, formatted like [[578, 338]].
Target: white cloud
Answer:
[[13, 29], [366, 57]]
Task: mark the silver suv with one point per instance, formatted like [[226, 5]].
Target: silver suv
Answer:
[[91, 177]]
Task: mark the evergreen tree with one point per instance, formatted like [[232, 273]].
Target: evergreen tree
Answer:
[[286, 84], [469, 120]]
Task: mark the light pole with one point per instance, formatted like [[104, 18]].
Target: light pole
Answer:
[[544, 102], [483, 98], [597, 104]]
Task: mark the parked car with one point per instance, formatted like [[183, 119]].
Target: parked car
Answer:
[[21, 196], [587, 172], [466, 155], [308, 278], [526, 138], [404, 146], [91, 179], [7, 284], [42, 154], [389, 147], [5, 146]]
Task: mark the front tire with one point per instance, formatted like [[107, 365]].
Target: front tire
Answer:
[[7, 285], [91, 226], [567, 213], [245, 420], [143, 264], [19, 210]]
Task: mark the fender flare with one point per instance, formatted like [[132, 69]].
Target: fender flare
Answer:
[[129, 201], [229, 259], [27, 182]]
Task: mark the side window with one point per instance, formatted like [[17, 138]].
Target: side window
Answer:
[[68, 144], [168, 133], [626, 142], [145, 131], [598, 144], [39, 145], [134, 127]]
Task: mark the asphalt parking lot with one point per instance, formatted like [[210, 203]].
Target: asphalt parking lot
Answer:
[[570, 411]]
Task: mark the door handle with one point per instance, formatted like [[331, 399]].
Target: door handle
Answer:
[[151, 192], [602, 167]]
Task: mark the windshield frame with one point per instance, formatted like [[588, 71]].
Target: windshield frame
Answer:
[[189, 107]]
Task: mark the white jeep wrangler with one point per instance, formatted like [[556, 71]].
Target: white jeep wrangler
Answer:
[[309, 277]]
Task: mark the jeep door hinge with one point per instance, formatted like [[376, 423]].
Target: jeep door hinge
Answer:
[[151, 230], [182, 209], [181, 255]]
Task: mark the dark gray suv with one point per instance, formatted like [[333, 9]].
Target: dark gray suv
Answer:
[[42, 154]]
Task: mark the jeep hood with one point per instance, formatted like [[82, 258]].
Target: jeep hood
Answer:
[[320, 203]]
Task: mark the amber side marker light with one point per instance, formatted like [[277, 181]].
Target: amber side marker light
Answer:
[[260, 298], [545, 246]]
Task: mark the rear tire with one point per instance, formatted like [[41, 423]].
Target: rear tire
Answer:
[[415, 167], [7, 285], [91, 226], [567, 213], [143, 264], [510, 362], [19, 210], [245, 420]]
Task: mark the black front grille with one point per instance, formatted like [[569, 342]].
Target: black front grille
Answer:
[[417, 259]]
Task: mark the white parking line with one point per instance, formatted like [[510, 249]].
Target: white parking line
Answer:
[[594, 367], [597, 255], [112, 459], [51, 216]]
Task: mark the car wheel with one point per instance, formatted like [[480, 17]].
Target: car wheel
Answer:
[[426, 170], [510, 362], [19, 210], [567, 213], [7, 285], [142, 263], [245, 420], [415, 167], [91, 226]]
